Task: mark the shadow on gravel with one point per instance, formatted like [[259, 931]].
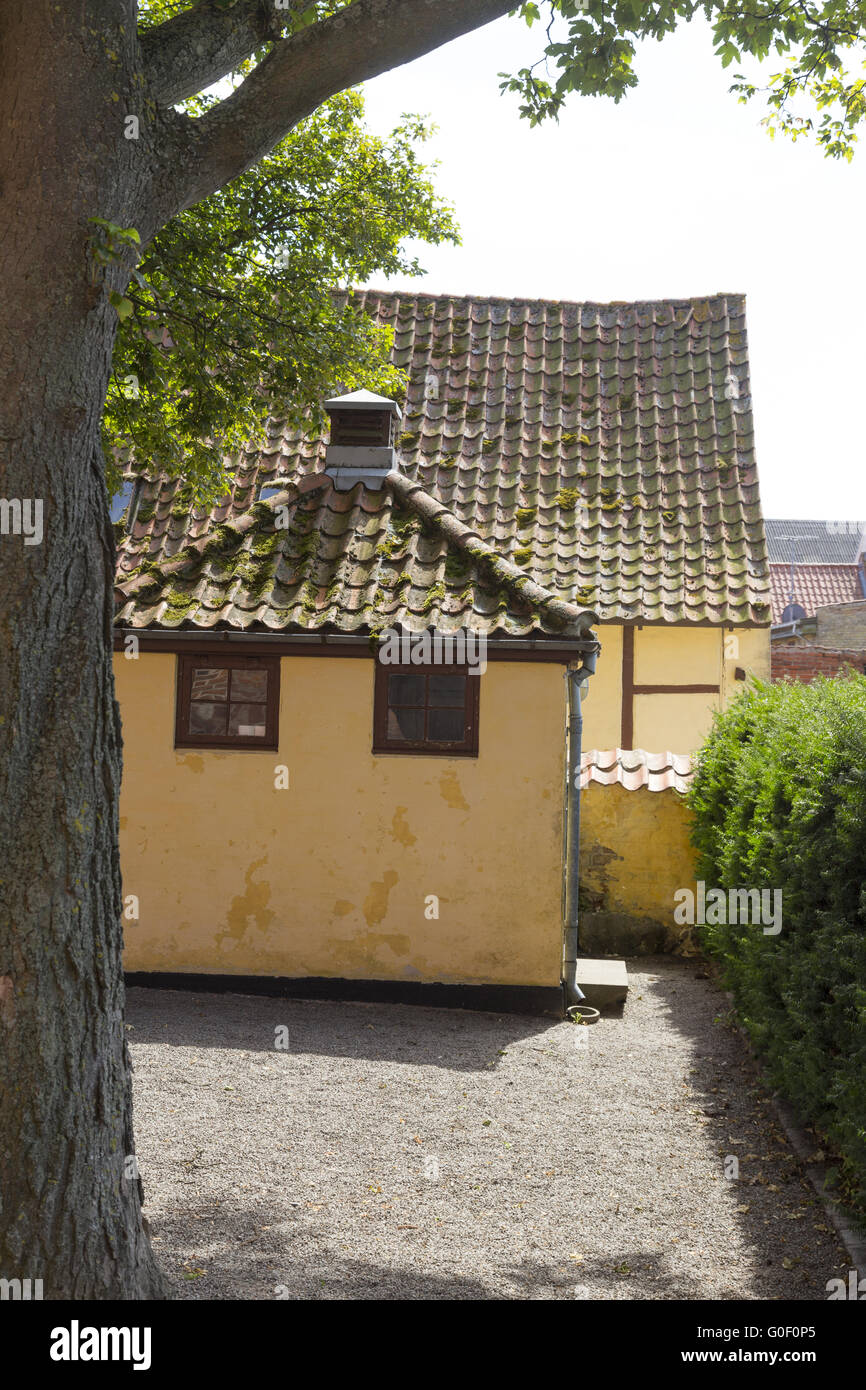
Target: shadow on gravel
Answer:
[[219, 1242], [796, 1251], [271, 1267], [267, 1258], [465, 1040]]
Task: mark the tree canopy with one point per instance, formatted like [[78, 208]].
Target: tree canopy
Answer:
[[591, 49], [231, 313]]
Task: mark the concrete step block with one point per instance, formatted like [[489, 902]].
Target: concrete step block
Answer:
[[603, 982]]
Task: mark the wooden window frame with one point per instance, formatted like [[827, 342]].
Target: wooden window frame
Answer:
[[467, 747], [187, 663]]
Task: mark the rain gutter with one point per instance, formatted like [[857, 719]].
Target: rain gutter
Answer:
[[577, 680]]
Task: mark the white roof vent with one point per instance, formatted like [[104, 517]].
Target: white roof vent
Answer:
[[362, 449]]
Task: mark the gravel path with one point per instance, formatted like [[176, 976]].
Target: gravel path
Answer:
[[401, 1152]]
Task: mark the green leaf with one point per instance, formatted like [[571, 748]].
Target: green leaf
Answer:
[[237, 311], [121, 304]]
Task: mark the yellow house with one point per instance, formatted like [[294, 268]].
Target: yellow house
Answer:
[[349, 763]]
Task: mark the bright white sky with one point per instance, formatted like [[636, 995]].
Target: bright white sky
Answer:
[[678, 191]]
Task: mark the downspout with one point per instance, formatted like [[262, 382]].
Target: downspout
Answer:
[[577, 680]]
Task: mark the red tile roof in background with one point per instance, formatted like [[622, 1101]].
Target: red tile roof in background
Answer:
[[814, 586]]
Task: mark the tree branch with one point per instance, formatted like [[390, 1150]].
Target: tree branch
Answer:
[[366, 38], [204, 43]]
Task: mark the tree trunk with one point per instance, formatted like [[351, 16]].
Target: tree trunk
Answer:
[[71, 77], [70, 1199]]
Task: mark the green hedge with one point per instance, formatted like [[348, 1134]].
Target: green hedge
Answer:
[[779, 801]]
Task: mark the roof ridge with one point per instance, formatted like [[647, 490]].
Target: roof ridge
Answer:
[[241, 525], [814, 565], [679, 300], [456, 532]]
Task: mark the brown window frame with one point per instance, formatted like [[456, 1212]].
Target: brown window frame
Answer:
[[188, 662], [467, 747]]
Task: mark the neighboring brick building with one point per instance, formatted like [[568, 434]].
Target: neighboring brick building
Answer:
[[841, 625], [804, 663]]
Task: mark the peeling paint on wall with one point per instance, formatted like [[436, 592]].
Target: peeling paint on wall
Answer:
[[368, 955], [595, 861], [450, 790], [249, 908], [194, 761], [376, 901], [399, 828], [626, 896]]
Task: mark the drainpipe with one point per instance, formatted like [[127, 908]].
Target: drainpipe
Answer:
[[577, 678]]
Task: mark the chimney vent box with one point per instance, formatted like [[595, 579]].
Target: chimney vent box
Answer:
[[362, 429], [362, 438]]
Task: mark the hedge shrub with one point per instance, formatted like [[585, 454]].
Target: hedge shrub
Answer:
[[779, 801]]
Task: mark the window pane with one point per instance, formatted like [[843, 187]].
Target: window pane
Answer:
[[249, 685], [445, 725], [447, 690], [247, 721], [207, 719], [210, 683], [121, 500], [406, 724], [279, 484], [405, 690]]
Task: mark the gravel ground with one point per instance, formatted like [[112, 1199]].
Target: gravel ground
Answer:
[[400, 1152]]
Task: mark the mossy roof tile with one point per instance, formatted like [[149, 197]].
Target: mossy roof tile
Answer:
[[627, 428]]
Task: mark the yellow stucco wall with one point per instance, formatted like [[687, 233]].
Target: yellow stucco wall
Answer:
[[635, 853], [603, 701], [751, 650], [670, 656], [331, 877], [675, 723]]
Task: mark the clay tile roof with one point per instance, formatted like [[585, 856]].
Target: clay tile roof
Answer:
[[814, 586], [633, 768], [349, 562], [602, 453]]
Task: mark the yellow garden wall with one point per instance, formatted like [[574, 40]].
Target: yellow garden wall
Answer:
[[635, 853], [332, 876]]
